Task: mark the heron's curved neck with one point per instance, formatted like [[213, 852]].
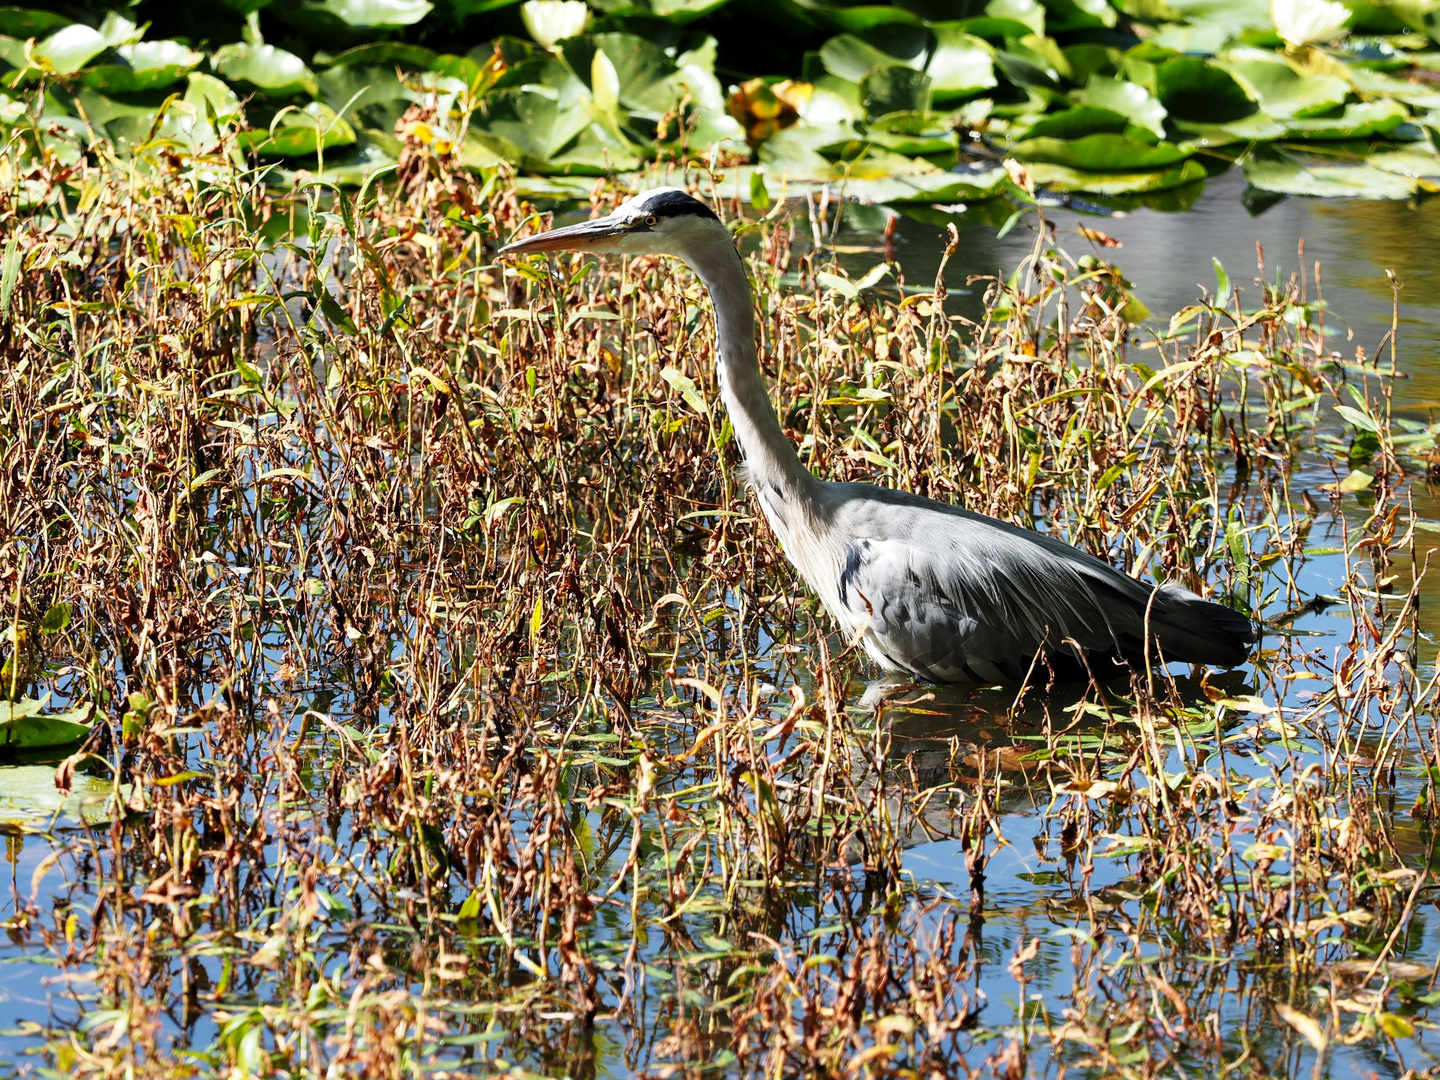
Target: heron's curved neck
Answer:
[[770, 458]]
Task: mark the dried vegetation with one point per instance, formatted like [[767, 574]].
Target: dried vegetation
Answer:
[[462, 717]]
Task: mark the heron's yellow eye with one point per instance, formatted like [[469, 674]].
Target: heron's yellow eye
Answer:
[[651, 220]]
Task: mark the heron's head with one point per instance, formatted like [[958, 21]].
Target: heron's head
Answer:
[[661, 221]]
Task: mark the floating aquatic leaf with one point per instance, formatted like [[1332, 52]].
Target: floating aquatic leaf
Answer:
[[895, 88], [1063, 178], [25, 23], [1360, 120], [378, 14], [25, 726], [149, 65], [266, 67], [1130, 100], [1281, 90], [1289, 177], [1101, 153], [1193, 89], [28, 797], [961, 65], [68, 50]]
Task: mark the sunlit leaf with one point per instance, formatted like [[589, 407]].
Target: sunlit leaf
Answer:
[[960, 65], [149, 65], [1064, 178], [68, 50], [28, 796], [1130, 100], [1289, 177], [1101, 153], [265, 66], [1281, 90], [380, 14]]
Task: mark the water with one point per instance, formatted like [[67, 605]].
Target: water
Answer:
[[1030, 880]]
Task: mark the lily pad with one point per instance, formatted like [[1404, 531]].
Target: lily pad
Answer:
[[24, 725], [529, 125], [1358, 121], [1064, 178], [1281, 90], [1083, 120], [1193, 89], [25, 23], [961, 65], [28, 797], [264, 66], [852, 58], [893, 89], [377, 14], [148, 65], [1289, 177], [1129, 99], [1101, 153], [69, 49]]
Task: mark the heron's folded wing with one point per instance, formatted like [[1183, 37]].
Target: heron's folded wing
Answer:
[[971, 602]]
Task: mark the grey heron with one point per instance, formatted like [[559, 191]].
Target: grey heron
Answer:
[[935, 592]]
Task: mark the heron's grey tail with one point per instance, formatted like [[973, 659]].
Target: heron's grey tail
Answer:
[[1192, 630]]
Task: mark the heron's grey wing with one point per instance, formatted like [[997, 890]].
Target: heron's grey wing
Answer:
[[968, 603]]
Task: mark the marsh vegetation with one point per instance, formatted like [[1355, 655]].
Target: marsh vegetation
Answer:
[[400, 682]]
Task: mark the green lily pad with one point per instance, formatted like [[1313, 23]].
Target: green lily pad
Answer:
[[149, 65], [795, 153], [1358, 121], [938, 186], [1129, 99], [529, 125], [648, 86], [300, 131], [961, 65], [990, 29], [1194, 89], [265, 66], [1064, 178], [395, 53], [1281, 90], [1255, 128], [894, 88], [1101, 153], [852, 58], [863, 18], [209, 94], [1289, 177], [28, 797], [69, 49], [1083, 120], [377, 14], [1416, 160], [1079, 15], [24, 725], [1029, 12], [26, 23]]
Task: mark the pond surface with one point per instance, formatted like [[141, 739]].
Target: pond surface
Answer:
[[1168, 257]]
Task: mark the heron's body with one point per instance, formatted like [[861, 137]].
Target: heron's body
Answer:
[[936, 592]]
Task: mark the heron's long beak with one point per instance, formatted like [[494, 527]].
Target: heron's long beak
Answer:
[[586, 236]]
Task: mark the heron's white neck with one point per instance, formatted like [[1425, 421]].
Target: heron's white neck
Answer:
[[770, 458]]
